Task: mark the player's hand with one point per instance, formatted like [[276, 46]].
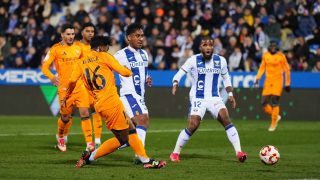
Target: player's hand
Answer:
[[149, 81], [287, 88], [55, 81], [174, 88], [232, 101], [256, 84]]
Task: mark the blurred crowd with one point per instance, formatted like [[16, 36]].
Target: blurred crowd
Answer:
[[241, 29]]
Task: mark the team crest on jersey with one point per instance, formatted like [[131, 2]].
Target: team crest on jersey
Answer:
[[144, 57], [216, 63]]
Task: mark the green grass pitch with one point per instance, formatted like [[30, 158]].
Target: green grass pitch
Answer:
[[26, 146]]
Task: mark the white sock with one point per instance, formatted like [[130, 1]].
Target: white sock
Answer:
[[233, 137], [143, 159], [183, 138], [91, 158], [141, 131], [97, 140]]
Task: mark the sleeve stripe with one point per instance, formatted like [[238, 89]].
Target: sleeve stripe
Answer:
[[183, 70]]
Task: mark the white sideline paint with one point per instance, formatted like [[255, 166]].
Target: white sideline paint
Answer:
[[149, 131]]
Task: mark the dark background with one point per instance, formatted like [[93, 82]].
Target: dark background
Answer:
[[299, 104]]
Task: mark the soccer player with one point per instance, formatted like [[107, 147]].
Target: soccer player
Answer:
[[274, 63], [87, 32], [64, 55], [133, 88], [205, 68], [96, 69]]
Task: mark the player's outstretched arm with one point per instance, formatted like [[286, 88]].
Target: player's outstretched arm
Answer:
[[174, 87], [116, 66], [176, 80], [231, 98]]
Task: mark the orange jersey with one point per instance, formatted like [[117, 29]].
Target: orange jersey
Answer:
[[64, 57], [85, 48], [274, 66], [96, 69]]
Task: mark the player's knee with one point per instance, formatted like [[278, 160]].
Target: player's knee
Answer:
[[143, 120], [275, 100], [65, 117], [84, 112]]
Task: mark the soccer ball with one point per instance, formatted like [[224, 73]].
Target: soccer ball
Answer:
[[269, 155]]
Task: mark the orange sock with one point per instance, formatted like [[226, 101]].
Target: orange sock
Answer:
[[61, 127], [87, 129], [137, 146], [274, 116], [268, 109], [97, 125], [67, 127], [107, 147]]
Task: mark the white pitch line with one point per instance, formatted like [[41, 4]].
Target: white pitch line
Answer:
[[149, 131]]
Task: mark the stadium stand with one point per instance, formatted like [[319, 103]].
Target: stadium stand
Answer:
[[242, 29]]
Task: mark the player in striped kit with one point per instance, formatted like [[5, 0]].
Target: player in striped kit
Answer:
[[133, 88], [205, 68]]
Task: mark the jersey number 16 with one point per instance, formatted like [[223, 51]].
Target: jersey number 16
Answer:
[[92, 81]]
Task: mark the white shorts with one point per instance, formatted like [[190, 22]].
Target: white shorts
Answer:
[[200, 106], [134, 105]]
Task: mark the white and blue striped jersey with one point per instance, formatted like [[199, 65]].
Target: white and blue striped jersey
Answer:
[[137, 62], [205, 75]]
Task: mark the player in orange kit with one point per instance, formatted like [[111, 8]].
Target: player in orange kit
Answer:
[[274, 63], [87, 34], [64, 55], [96, 70]]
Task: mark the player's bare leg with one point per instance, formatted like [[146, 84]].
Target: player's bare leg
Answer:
[[86, 127], [232, 134], [184, 136], [122, 139]]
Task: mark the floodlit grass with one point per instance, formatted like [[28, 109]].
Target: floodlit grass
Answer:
[[26, 146]]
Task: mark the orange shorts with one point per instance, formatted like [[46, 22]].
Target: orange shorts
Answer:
[[272, 88], [115, 118], [91, 100], [78, 99]]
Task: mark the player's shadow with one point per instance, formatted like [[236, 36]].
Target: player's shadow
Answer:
[[265, 170], [200, 156]]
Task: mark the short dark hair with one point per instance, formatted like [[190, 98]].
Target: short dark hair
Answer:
[[88, 24], [133, 28], [65, 27], [97, 41], [204, 38]]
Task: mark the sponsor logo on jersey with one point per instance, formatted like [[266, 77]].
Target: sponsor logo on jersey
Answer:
[[138, 64], [209, 70]]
